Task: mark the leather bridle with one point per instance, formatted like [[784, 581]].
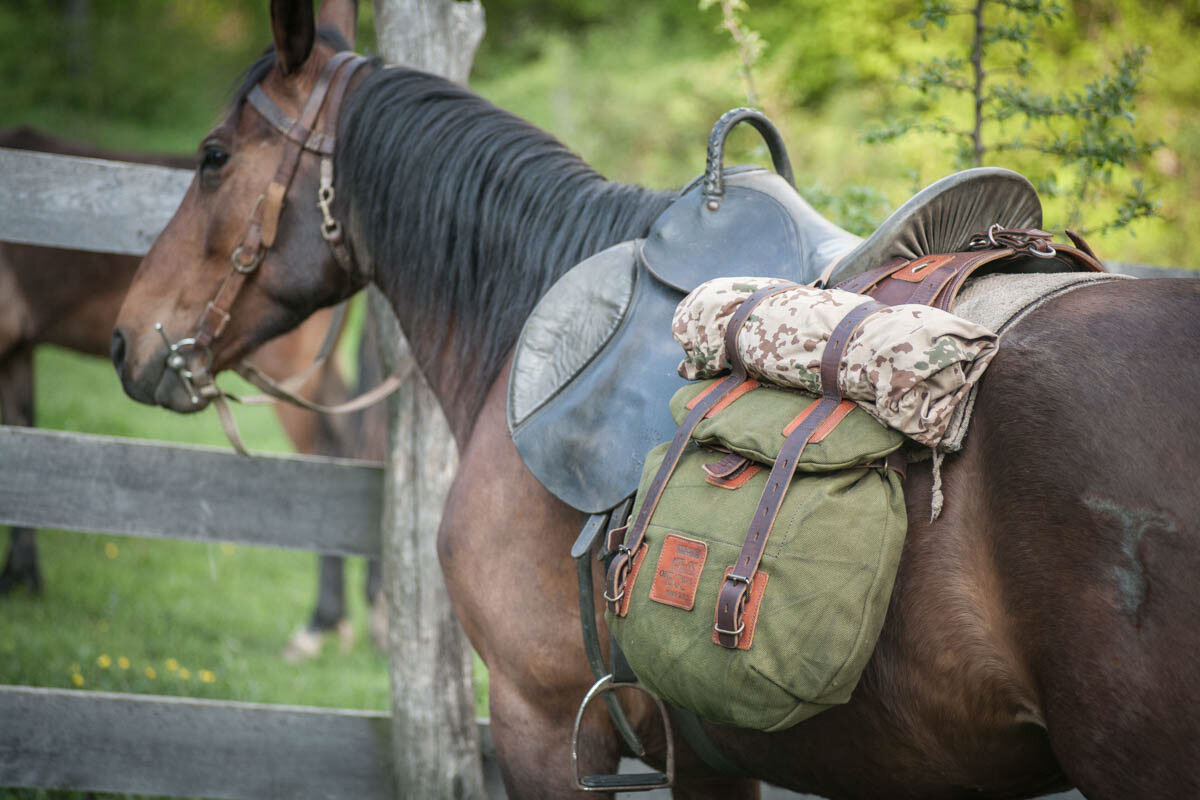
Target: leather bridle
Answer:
[[191, 358]]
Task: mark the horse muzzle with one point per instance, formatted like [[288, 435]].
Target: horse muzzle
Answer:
[[174, 376]]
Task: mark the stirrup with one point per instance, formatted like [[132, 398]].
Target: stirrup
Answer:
[[636, 782]]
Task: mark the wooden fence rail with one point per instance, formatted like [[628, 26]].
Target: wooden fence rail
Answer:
[[182, 746], [106, 484], [86, 203]]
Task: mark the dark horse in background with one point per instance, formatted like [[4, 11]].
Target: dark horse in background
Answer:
[[1042, 631], [70, 298]]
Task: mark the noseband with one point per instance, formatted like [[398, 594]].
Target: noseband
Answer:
[[191, 358]]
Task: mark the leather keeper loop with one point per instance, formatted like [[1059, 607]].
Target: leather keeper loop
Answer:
[[214, 320]]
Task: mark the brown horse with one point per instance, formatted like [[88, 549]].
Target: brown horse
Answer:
[[1041, 630], [71, 297]]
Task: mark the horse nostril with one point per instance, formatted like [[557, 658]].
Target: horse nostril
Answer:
[[116, 348]]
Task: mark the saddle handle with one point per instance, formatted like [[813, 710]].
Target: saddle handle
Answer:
[[714, 178]]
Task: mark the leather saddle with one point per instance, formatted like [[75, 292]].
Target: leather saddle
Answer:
[[595, 363]]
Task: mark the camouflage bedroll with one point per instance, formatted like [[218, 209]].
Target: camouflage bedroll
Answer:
[[908, 366], [823, 585]]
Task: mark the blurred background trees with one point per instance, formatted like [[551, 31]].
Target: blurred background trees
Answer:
[[634, 87]]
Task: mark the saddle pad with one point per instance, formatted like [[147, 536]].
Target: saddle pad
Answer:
[[819, 598], [998, 302]]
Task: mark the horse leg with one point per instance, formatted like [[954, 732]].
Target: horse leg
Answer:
[[16, 408], [319, 434], [504, 547], [377, 613]]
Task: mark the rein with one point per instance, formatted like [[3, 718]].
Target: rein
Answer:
[[191, 358]]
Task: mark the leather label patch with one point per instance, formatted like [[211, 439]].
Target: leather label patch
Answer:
[[750, 616], [677, 576]]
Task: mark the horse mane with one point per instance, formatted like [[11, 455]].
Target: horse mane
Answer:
[[490, 208]]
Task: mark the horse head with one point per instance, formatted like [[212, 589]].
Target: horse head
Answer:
[[255, 246]]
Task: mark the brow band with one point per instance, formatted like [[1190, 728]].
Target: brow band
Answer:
[[317, 141]]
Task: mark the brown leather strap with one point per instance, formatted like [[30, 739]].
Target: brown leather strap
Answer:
[[618, 569], [264, 220], [728, 465], [732, 597], [862, 282], [279, 391], [318, 142]]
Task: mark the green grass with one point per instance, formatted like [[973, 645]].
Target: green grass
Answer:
[[163, 617]]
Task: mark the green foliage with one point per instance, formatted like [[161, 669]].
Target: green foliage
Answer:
[[1085, 138], [749, 42]]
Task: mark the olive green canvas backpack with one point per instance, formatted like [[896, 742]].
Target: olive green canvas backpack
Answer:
[[816, 603]]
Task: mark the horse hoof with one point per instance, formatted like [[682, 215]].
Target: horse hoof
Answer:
[[346, 636], [304, 645]]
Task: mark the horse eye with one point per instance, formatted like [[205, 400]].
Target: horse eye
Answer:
[[213, 157]]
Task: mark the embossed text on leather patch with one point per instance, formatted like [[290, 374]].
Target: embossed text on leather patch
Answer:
[[677, 575]]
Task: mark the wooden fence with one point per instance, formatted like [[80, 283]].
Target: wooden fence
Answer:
[[101, 741]]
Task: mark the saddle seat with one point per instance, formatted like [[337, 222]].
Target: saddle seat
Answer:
[[595, 361]]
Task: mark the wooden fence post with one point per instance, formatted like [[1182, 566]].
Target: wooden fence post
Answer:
[[435, 742]]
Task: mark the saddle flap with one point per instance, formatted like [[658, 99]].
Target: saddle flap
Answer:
[[589, 375], [761, 227]]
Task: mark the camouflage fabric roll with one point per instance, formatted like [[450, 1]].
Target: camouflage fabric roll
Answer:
[[908, 366]]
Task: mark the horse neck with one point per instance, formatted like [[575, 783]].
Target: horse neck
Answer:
[[478, 220], [463, 343]]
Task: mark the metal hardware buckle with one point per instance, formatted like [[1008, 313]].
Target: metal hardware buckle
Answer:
[[245, 268]]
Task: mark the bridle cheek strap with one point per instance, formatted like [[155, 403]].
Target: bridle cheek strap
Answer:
[[261, 231]]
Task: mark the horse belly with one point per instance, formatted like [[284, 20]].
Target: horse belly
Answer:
[[947, 706]]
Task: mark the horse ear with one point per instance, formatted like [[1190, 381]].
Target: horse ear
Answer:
[[342, 16], [294, 31]]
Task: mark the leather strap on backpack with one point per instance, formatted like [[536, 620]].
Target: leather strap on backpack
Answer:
[[731, 601], [619, 568]]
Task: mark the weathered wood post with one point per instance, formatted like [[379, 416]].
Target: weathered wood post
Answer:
[[435, 743]]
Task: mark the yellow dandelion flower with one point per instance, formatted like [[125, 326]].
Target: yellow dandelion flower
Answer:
[[184, 674], [77, 679], [206, 676], [102, 626], [75, 667], [228, 549], [103, 661], [123, 662], [171, 664], [151, 673], [111, 550]]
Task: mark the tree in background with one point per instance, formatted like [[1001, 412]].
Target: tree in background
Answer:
[[1083, 138]]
